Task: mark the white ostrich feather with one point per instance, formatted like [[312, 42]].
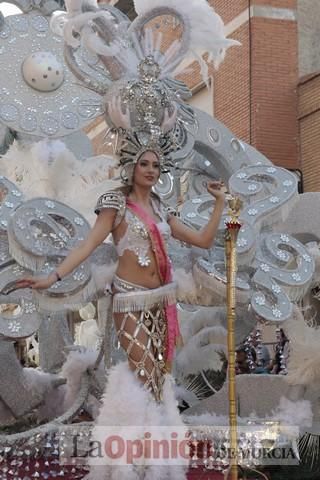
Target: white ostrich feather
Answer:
[[304, 358], [49, 169], [207, 28]]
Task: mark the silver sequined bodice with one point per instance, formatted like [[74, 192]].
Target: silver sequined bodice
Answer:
[[136, 237]]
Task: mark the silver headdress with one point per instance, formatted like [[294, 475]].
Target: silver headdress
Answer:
[[132, 65]]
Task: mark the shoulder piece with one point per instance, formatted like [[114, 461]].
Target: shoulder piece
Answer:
[[113, 199]]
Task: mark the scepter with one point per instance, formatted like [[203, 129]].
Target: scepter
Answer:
[[231, 234]]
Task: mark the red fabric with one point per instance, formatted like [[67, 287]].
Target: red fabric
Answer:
[[193, 473]]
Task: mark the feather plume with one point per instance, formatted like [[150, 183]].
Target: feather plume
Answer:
[[207, 28], [304, 359], [49, 169]]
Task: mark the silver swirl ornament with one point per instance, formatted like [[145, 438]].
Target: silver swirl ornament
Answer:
[[10, 198], [41, 234], [269, 194], [42, 228], [284, 273], [19, 317], [196, 213], [210, 273]]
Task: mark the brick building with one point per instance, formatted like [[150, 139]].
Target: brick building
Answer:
[[267, 90]]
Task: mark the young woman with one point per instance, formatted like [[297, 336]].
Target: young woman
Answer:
[[144, 305]]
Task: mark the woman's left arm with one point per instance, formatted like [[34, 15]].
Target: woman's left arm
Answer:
[[201, 238]]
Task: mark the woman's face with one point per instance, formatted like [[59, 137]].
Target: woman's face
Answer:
[[147, 170]]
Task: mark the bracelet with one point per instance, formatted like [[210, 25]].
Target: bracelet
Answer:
[[57, 276]]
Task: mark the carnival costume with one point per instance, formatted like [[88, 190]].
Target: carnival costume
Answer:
[[131, 64]]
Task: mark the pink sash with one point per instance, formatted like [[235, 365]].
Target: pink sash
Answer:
[[165, 273]]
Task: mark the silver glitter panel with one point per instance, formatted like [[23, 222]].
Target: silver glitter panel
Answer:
[[22, 108], [14, 388], [46, 228], [19, 316], [10, 198]]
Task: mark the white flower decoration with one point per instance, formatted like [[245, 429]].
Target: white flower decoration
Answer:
[[274, 199], [39, 213], [287, 183], [49, 204], [260, 300], [14, 326], [78, 276], [275, 288], [264, 267], [241, 175], [285, 238], [17, 270], [191, 215], [271, 170], [306, 258], [78, 221], [282, 255], [16, 193], [30, 308], [296, 277], [20, 224], [252, 212], [196, 200], [8, 204], [242, 242], [276, 313], [4, 223]]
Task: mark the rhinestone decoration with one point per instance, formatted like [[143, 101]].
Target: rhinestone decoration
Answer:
[[287, 183], [264, 267], [252, 212], [283, 255], [275, 288], [9, 113], [70, 120], [14, 326], [49, 204], [29, 307], [34, 61], [242, 242], [296, 277], [241, 175], [276, 313], [260, 300], [78, 221], [285, 238], [78, 276]]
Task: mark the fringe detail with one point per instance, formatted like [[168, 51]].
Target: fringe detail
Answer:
[[144, 300], [75, 301], [25, 259], [217, 288]]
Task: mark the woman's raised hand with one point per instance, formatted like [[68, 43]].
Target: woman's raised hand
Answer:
[[215, 189]]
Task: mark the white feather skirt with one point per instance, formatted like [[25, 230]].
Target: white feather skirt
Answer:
[[129, 406]]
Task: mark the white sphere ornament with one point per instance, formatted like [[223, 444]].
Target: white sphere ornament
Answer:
[[42, 71]]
